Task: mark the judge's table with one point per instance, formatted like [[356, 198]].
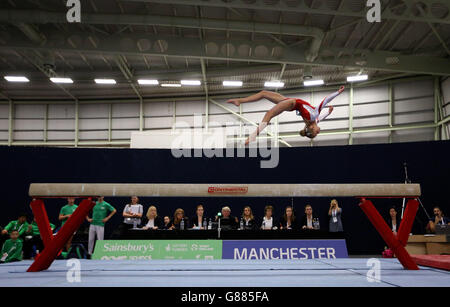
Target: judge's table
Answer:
[[428, 244]]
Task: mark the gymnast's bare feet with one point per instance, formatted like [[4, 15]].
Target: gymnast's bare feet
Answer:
[[341, 89], [234, 101]]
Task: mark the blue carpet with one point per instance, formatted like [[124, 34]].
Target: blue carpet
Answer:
[[349, 272]]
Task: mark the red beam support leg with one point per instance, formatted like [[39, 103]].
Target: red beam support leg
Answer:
[[407, 222], [387, 235], [41, 217], [51, 251]]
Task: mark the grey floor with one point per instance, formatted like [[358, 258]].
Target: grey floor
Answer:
[[351, 272]]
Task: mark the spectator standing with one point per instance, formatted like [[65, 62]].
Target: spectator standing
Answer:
[[335, 213], [64, 214], [101, 213]]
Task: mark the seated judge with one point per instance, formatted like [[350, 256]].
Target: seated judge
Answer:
[[227, 221], [199, 219], [177, 218], [307, 222], [393, 220], [167, 223], [438, 219], [288, 220], [248, 219], [268, 222], [153, 221]]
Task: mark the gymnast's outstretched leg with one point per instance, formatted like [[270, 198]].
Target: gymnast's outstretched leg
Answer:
[[286, 105], [271, 96]]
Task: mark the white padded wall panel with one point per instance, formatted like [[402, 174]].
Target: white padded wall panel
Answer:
[[125, 110], [61, 135], [29, 111], [413, 89], [370, 94], [61, 111], [334, 124], [93, 123], [4, 124], [93, 110], [340, 112], [158, 122], [190, 107], [257, 106], [425, 116], [28, 124], [158, 108], [4, 135], [125, 123], [4, 110], [224, 119], [290, 128], [190, 121], [61, 124], [92, 135], [370, 109], [121, 135], [370, 121], [414, 104], [28, 135]]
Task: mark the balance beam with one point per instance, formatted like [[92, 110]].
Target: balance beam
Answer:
[[47, 190], [54, 244]]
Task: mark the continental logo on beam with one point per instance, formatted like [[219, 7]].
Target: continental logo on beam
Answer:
[[227, 190]]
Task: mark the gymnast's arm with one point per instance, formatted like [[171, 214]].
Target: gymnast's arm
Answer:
[[324, 113]]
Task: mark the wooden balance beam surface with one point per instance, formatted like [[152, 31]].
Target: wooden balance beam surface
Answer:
[[219, 190]]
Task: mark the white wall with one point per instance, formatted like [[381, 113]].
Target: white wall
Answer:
[[413, 104]]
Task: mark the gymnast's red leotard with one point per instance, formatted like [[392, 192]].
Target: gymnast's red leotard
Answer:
[[310, 113]]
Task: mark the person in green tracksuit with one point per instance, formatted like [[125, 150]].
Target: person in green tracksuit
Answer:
[[12, 248], [101, 213], [21, 225], [65, 213]]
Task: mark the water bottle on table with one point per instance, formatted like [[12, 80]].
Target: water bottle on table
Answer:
[[182, 224]]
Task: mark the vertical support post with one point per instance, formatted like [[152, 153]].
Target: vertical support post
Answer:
[[436, 108], [277, 132], [206, 114], [391, 109], [174, 115], [46, 123], [51, 251], [444, 127], [241, 133], [350, 116], [10, 122], [77, 105], [110, 122], [141, 114], [386, 233]]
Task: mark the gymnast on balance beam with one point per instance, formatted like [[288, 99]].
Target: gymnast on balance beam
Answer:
[[311, 115]]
